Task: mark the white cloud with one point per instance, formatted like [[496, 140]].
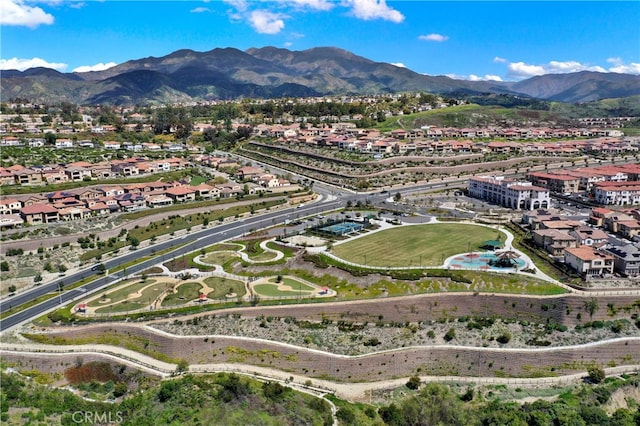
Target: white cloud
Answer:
[[524, 70], [240, 5], [23, 64], [473, 77], [369, 10], [620, 67], [499, 59], [200, 10], [288, 44], [314, 4], [265, 22], [17, 13], [486, 77], [433, 37], [96, 67], [398, 64]]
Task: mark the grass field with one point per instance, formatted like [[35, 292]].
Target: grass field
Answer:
[[294, 284], [122, 293], [221, 287], [417, 245], [185, 293], [271, 290]]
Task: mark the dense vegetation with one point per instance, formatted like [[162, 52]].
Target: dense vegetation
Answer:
[[231, 399], [226, 399]]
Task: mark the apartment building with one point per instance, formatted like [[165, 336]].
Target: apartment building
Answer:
[[509, 193]]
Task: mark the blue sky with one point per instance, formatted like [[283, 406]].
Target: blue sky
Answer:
[[503, 40]]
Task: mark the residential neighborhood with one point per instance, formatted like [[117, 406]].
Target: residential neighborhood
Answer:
[[99, 200]]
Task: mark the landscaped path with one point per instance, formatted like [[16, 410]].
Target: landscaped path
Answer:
[[349, 391]]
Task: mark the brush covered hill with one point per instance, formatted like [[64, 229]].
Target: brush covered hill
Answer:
[[269, 72]]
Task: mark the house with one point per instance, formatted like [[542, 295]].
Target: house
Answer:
[[629, 229], [73, 213], [626, 259], [111, 191], [249, 173], [206, 192], [126, 169], [554, 241], [589, 262], [229, 189], [27, 176], [10, 206], [99, 208], [612, 220], [158, 200], [85, 194], [55, 176], [181, 194], [130, 202], [10, 221], [101, 170], [588, 236], [598, 215], [6, 177], [77, 174], [36, 214], [268, 181], [112, 145], [64, 143]]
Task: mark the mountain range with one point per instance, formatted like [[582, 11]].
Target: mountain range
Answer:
[[270, 72]]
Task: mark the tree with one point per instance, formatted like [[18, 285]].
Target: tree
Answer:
[[397, 197], [12, 288], [135, 242], [4, 266], [414, 383], [50, 138], [591, 306], [596, 374], [182, 367]]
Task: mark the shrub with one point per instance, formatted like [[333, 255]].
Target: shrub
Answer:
[[596, 374], [504, 338], [414, 382], [450, 335]]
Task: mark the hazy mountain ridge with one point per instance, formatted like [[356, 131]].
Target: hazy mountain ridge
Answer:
[[228, 73]]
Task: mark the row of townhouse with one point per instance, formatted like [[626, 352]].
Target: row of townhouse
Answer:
[[580, 246], [509, 193], [82, 170], [401, 141], [66, 143], [590, 179], [427, 132], [587, 248], [102, 200]]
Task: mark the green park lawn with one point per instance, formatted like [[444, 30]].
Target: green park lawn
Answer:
[[416, 245], [294, 284], [121, 293], [272, 290], [221, 287], [185, 293]]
